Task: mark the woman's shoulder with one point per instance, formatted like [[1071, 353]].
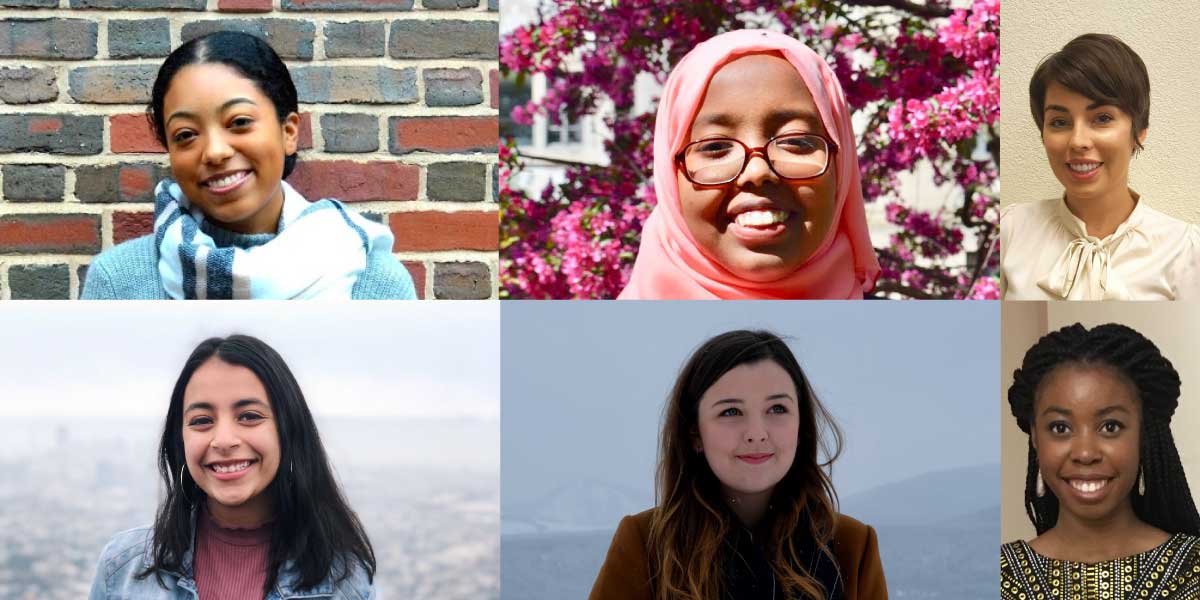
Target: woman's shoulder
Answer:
[[850, 531], [127, 271], [384, 279], [126, 550]]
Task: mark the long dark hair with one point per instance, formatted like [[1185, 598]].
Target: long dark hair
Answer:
[[244, 53], [688, 530], [314, 526], [1167, 503]]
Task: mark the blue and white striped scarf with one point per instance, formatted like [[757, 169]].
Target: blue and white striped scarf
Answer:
[[319, 252]]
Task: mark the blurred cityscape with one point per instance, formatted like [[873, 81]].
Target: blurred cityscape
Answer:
[[427, 493]]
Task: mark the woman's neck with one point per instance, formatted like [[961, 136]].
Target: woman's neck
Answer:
[[749, 508], [1090, 541], [1102, 215], [251, 514]]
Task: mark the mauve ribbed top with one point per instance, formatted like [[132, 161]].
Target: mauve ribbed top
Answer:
[[231, 564]]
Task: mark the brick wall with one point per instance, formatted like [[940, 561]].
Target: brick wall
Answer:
[[399, 118]]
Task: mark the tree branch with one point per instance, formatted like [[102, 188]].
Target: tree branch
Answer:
[[920, 10]]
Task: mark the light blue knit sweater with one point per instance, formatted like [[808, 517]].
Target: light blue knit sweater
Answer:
[[129, 271]]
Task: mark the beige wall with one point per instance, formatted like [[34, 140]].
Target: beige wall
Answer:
[[1172, 326], [1163, 33]]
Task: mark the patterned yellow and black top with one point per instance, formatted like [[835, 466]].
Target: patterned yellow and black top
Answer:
[[1170, 571]]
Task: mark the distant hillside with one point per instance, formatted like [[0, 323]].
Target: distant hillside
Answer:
[[930, 498]]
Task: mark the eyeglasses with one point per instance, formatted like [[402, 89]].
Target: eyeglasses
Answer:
[[791, 156]]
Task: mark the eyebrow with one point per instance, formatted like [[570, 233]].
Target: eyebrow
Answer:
[[780, 396], [224, 107], [1100, 413], [775, 117], [239, 404]]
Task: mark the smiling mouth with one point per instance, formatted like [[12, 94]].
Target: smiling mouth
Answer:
[[761, 218], [230, 467], [226, 183], [1083, 168]]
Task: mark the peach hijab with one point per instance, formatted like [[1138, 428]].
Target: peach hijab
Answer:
[[671, 265]]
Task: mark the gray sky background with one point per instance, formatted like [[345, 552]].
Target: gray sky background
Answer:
[[912, 384], [363, 359]]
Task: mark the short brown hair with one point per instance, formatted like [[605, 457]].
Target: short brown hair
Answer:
[[1104, 69]]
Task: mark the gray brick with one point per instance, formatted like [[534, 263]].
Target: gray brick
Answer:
[[356, 39], [453, 87], [139, 38], [366, 85], [56, 134], [494, 5], [39, 282], [47, 38], [347, 5], [140, 4], [495, 183], [290, 38], [350, 132], [117, 84], [449, 4], [34, 183], [22, 85], [124, 182], [457, 181], [444, 39], [29, 3], [462, 281]]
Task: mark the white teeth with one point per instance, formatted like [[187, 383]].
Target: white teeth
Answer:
[[1088, 487], [1083, 168], [227, 180], [760, 218], [231, 468]]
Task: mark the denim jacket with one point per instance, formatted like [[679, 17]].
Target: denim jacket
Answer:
[[130, 552]]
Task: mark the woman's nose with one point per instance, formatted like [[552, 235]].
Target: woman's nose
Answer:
[[1084, 451], [216, 149], [1081, 137], [224, 438], [757, 170]]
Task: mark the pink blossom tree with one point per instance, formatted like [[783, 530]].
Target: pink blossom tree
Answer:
[[923, 76]]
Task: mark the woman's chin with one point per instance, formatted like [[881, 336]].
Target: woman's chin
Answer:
[[760, 267]]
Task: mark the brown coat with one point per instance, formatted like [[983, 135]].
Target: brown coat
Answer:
[[625, 574]]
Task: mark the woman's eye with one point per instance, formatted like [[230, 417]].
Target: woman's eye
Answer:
[[250, 417], [778, 409], [199, 421], [1059, 428], [1112, 426], [798, 145], [729, 412], [1104, 118], [714, 148], [1058, 123], [241, 122], [182, 136]]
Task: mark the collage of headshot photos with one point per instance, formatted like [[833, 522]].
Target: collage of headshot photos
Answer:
[[581, 297]]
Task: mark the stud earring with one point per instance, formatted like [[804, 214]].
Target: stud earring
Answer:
[[1041, 487]]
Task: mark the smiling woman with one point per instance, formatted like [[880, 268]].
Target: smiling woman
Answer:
[[252, 508], [1105, 488], [227, 225], [746, 507], [757, 179], [1099, 241]]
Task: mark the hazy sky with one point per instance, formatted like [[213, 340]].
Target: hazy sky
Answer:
[[361, 359], [911, 383]]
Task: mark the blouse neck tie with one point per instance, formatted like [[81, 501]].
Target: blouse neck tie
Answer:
[[1084, 269]]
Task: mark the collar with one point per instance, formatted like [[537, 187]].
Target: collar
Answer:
[[1077, 228]]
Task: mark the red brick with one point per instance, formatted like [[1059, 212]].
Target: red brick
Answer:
[[352, 182], [135, 182], [32, 234], [495, 80], [46, 125], [443, 134], [244, 5], [429, 231], [417, 270], [132, 133], [129, 225]]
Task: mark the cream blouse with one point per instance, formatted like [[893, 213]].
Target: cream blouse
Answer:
[[1046, 254]]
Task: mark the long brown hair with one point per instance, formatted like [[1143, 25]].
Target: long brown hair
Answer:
[[692, 521]]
